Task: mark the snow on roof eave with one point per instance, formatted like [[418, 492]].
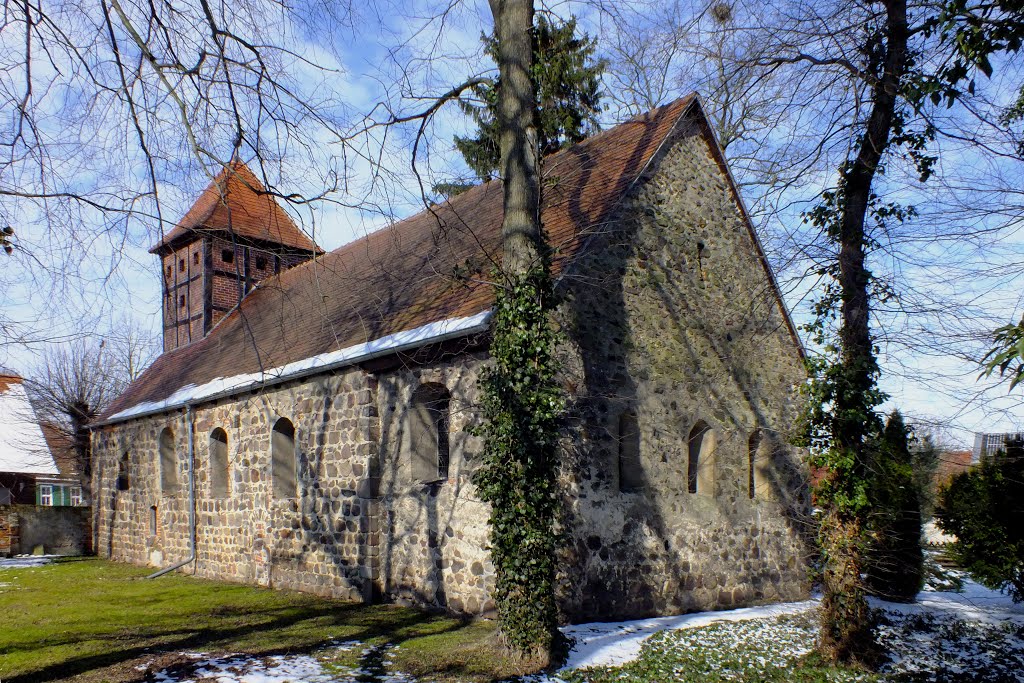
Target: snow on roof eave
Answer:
[[226, 386]]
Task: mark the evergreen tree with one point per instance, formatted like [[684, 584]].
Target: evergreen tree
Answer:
[[567, 81], [895, 561], [984, 508]]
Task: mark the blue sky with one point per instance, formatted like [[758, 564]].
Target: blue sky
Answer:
[[77, 270]]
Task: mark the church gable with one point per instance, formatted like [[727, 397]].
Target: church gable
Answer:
[[684, 369]]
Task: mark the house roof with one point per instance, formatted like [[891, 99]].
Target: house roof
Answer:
[[425, 275], [23, 449], [236, 202], [62, 448]]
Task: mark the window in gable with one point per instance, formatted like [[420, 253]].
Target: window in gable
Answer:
[[631, 475], [753, 444]]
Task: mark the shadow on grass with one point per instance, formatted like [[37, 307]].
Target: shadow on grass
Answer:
[[363, 624]]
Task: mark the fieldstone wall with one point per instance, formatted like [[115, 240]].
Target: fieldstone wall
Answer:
[[673, 320], [357, 527]]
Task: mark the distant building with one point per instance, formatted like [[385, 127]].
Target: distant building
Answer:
[[29, 473], [952, 463], [987, 445]]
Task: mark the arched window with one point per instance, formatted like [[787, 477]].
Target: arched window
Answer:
[[700, 470], [123, 480], [154, 528], [753, 444], [218, 463], [282, 455], [630, 472], [168, 463], [426, 433]]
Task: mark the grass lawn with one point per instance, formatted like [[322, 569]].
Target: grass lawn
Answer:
[[90, 621]]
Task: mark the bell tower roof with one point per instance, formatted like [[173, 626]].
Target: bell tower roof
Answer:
[[237, 203]]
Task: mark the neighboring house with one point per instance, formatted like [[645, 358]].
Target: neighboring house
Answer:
[[319, 436], [951, 463], [74, 482], [29, 473], [987, 445]]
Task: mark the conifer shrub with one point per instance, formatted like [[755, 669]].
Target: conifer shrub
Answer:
[[984, 509], [895, 559]]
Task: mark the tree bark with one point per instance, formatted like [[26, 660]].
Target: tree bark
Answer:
[[854, 278], [846, 630], [521, 228]]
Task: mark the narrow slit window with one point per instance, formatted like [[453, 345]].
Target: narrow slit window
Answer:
[[631, 476], [219, 463], [753, 445], [427, 434], [168, 463], [123, 481], [700, 466], [282, 452]]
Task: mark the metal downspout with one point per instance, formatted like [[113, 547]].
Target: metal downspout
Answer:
[[191, 498]]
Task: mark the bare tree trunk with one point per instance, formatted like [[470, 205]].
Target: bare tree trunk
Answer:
[[520, 229]]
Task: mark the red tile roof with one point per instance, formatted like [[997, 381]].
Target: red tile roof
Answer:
[[62, 447], [7, 380], [404, 276], [237, 202]]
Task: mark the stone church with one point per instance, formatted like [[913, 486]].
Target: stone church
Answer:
[[309, 424]]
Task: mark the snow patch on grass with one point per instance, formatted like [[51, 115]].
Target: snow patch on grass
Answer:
[[974, 635], [26, 561], [612, 643]]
